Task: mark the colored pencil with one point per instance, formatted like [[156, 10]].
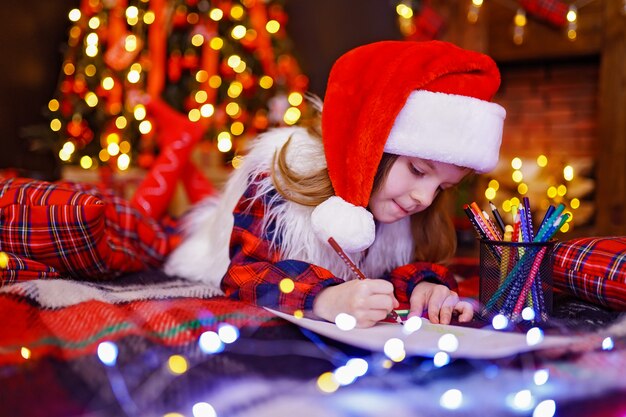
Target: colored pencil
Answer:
[[360, 275]]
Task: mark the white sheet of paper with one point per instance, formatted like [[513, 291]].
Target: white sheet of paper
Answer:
[[473, 343]]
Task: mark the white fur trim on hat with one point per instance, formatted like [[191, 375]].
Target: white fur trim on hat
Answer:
[[351, 226], [454, 129]]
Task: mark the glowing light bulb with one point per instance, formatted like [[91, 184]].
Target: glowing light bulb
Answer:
[[546, 408], [345, 321], [295, 99], [541, 376], [86, 162], [266, 82], [292, 115], [534, 336], [177, 364], [4, 260], [238, 32], [25, 352], [207, 110], [358, 365], [344, 375], [123, 162], [228, 333], [499, 322], [522, 400], [607, 343], [203, 409], [74, 15], [542, 161], [272, 26], [327, 383], [411, 325], [197, 40], [145, 127], [394, 349], [216, 43], [210, 342], [451, 399], [216, 14], [528, 314], [286, 285], [448, 342], [568, 173], [194, 115], [107, 353], [441, 359]]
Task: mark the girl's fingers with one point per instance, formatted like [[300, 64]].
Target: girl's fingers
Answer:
[[369, 317], [418, 303], [436, 302], [445, 313], [379, 286], [465, 310], [381, 302]]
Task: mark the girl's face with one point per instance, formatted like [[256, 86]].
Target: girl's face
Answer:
[[411, 186]]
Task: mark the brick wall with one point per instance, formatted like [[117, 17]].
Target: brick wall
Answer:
[[551, 109]]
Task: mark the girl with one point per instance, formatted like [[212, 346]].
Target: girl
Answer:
[[401, 123]]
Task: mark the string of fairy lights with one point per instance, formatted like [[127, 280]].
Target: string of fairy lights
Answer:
[[536, 392]]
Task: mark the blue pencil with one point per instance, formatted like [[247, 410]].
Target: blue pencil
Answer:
[[546, 216], [529, 219]]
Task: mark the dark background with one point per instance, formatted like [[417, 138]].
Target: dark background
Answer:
[[33, 35]]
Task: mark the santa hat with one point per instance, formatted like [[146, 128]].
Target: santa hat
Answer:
[[420, 99]]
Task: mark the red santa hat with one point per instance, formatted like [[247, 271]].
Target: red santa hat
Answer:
[[422, 99]]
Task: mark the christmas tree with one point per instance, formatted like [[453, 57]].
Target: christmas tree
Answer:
[[133, 68]]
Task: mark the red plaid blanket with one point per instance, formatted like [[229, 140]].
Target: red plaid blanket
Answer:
[[67, 319], [49, 366]]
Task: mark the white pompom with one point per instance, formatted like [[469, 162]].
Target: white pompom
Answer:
[[351, 226]]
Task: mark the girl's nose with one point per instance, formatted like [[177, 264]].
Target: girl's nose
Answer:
[[424, 197]]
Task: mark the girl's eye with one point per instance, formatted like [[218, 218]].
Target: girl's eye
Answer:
[[415, 170]]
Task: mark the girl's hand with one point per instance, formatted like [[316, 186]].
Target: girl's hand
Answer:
[[368, 301], [440, 302]]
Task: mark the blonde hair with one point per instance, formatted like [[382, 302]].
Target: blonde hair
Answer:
[[432, 229]]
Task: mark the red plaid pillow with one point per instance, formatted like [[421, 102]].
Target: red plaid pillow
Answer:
[[77, 230], [592, 268]]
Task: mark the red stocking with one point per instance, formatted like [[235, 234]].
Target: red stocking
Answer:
[[552, 11], [428, 24], [177, 136], [197, 186]]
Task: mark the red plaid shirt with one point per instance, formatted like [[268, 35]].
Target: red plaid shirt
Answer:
[[256, 269]]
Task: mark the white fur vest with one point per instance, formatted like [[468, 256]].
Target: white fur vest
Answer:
[[203, 254]]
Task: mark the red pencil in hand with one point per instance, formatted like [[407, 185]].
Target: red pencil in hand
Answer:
[[360, 275]]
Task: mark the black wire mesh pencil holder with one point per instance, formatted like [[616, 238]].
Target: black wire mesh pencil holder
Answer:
[[516, 280]]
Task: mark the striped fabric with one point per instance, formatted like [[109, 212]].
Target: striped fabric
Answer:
[[256, 271], [73, 230], [592, 268]]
